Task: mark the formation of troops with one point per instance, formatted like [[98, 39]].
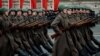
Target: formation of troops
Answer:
[[73, 33], [26, 33]]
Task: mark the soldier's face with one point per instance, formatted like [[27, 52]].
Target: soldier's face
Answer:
[[87, 11], [69, 12], [25, 14], [6, 13], [65, 11], [12, 13], [84, 11], [29, 12], [80, 11], [44, 13], [73, 11], [34, 13], [40, 14], [76, 11], [19, 13]]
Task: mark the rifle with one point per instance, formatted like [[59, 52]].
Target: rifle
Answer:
[[37, 24], [90, 21], [13, 27], [43, 24], [30, 25], [76, 24], [24, 25]]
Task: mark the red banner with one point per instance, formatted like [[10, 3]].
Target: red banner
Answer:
[[33, 4], [56, 4], [21, 4], [45, 4], [0, 3], [10, 4]]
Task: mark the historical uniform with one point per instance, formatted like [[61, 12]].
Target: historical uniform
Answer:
[[42, 38], [64, 45], [4, 42]]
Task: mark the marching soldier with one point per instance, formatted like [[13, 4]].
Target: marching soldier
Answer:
[[18, 39], [9, 35], [29, 12], [25, 38], [42, 39], [46, 31], [80, 33], [80, 16], [81, 44], [88, 35], [4, 42], [80, 36], [64, 45], [11, 44], [33, 39]]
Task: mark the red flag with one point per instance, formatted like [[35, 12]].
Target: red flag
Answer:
[[56, 3], [10, 4], [33, 4], [0, 3], [21, 3], [45, 4]]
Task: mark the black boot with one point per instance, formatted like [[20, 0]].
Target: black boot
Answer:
[[47, 47], [22, 53], [36, 50], [90, 50], [84, 52], [32, 53]]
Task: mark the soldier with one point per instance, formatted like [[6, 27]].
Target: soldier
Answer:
[[80, 42], [29, 12], [46, 31], [25, 38], [18, 47], [33, 35], [36, 37], [9, 32], [42, 39], [11, 45], [18, 39], [4, 41], [81, 33], [88, 32], [64, 45]]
